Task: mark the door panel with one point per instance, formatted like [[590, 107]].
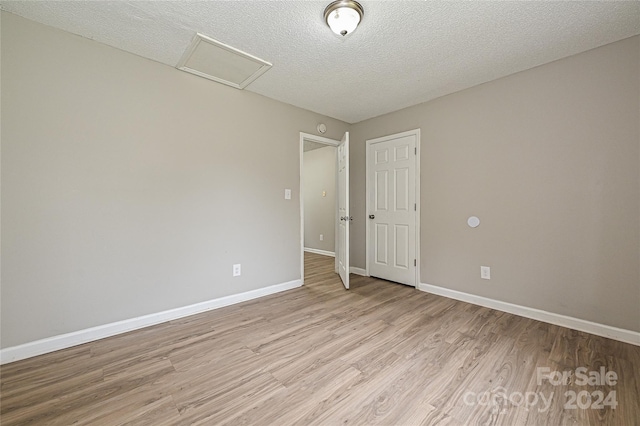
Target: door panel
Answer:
[[381, 238], [402, 153], [382, 189], [402, 189], [392, 174], [401, 232], [382, 156], [343, 210]]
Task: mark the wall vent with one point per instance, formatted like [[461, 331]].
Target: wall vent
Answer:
[[219, 62]]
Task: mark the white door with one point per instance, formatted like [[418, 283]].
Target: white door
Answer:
[[343, 210], [391, 175]]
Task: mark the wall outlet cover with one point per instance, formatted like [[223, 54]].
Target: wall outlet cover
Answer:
[[485, 272], [237, 270]]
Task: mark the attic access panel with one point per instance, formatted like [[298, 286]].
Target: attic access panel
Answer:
[[219, 62]]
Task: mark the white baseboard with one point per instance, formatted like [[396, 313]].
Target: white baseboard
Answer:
[[358, 271], [627, 336], [63, 341], [318, 251]]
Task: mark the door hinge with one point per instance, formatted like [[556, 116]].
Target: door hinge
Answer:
[[415, 262], [415, 207], [415, 150]]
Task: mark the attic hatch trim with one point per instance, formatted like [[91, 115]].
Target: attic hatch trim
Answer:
[[264, 66]]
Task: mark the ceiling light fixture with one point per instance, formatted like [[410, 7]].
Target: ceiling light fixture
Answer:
[[343, 16]]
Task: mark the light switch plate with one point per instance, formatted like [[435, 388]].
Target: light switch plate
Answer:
[[287, 194]]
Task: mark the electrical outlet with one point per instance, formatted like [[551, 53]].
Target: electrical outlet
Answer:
[[485, 272], [321, 237], [237, 270]]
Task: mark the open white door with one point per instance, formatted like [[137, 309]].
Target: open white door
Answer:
[[343, 210]]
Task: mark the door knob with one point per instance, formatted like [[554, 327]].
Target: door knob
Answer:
[[372, 216]]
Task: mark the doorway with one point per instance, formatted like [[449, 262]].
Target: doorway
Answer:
[[319, 194], [393, 207], [340, 193]]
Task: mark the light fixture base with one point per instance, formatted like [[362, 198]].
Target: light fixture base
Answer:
[[343, 16]]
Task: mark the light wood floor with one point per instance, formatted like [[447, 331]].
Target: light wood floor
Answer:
[[380, 353]]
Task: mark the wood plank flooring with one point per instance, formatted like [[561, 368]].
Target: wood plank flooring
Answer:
[[380, 353]]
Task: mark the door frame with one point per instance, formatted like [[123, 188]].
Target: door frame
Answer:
[[369, 142], [324, 141]]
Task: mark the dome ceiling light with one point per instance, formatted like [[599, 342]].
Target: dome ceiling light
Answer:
[[343, 16]]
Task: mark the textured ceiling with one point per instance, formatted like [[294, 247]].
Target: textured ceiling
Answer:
[[403, 53]]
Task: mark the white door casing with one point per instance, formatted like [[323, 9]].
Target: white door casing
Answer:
[[343, 210], [392, 207]]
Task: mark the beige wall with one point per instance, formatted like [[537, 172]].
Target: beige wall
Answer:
[[319, 210], [129, 187], [548, 159]]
